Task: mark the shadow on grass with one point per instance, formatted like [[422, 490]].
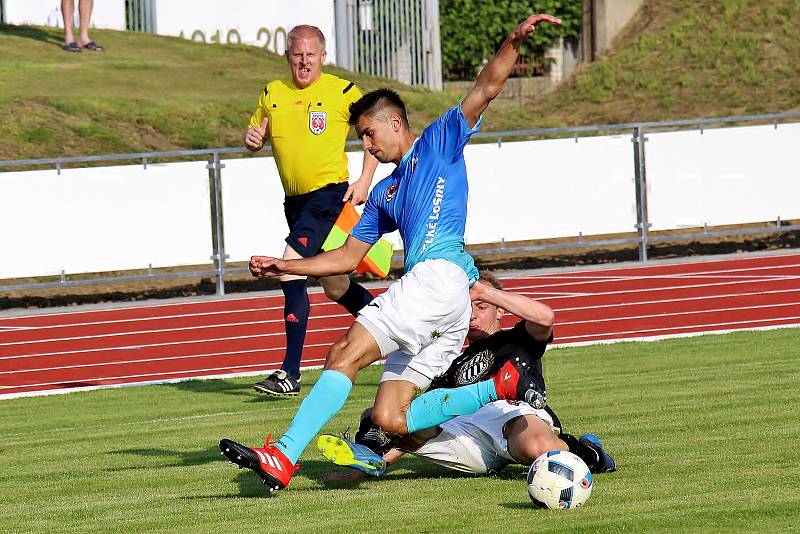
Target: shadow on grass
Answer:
[[250, 484], [54, 37], [226, 387], [522, 505], [178, 458], [245, 389]]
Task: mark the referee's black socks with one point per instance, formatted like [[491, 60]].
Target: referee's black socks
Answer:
[[355, 298]]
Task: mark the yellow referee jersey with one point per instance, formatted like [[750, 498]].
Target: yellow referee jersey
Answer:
[[307, 129]]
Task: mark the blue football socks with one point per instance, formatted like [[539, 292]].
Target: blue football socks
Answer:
[[440, 405], [324, 400]]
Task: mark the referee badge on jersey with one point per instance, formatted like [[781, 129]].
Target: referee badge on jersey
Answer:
[[317, 121]]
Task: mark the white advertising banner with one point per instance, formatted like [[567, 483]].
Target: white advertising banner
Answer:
[[553, 188], [108, 14], [252, 204], [116, 218], [104, 219], [255, 22], [723, 176]]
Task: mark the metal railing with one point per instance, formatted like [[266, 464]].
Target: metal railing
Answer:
[[643, 239]]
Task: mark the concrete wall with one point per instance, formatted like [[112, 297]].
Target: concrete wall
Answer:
[[608, 17]]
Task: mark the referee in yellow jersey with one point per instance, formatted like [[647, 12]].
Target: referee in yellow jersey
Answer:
[[304, 116]]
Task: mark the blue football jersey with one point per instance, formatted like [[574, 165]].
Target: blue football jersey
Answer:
[[425, 198]]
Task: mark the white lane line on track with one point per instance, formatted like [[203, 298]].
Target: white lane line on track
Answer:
[[272, 349], [608, 279], [665, 301], [171, 343], [161, 359], [315, 365], [610, 269], [519, 289], [687, 327], [590, 321], [790, 257], [142, 319], [678, 314], [127, 377], [159, 331], [133, 347], [648, 289]]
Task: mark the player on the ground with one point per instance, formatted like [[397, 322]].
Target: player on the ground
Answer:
[[425, 313], [305, 118], [499, 433]]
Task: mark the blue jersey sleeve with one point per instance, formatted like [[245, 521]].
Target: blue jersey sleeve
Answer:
[[449, 134], [374, 223]]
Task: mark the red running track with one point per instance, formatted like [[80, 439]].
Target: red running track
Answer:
[[67, 351]]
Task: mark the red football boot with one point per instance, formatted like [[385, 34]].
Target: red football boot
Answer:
[[274, 468], [512, 382]]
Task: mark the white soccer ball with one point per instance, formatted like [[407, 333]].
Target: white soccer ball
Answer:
[[560, 480]]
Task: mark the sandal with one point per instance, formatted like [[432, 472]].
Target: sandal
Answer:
[[71, 47], [91, 45]]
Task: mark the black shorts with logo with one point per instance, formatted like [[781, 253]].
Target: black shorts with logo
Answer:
[[311, 216]]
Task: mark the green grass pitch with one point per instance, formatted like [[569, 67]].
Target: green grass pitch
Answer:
[[705, 431]]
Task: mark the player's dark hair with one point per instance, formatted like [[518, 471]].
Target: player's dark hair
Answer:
[[375, 102], [491, 279]]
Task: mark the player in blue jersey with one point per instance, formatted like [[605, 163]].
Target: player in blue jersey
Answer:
[[421, 321]]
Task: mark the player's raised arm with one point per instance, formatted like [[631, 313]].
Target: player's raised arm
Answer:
[[337, 261], [496, 72], [539, 317]]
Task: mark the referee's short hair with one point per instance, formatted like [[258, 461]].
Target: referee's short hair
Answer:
[[304, 29], [377, 103]]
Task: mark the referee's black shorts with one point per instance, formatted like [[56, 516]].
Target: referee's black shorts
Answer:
[[311, 216]]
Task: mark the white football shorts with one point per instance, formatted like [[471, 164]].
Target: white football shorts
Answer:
[[424, 315], [474, 443]]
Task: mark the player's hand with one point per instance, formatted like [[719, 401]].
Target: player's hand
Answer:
[[528, 26], [267, 267], [477, 291], [357, 192]]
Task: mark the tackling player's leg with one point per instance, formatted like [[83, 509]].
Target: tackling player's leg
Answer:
[[277, 461]]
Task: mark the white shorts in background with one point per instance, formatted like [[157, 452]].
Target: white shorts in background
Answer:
[[475, 443], [425, 314]]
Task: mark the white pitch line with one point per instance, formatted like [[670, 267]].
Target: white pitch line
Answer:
[[672, 328]]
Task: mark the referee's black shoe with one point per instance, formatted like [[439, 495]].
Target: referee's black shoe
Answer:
[[279, 384]]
